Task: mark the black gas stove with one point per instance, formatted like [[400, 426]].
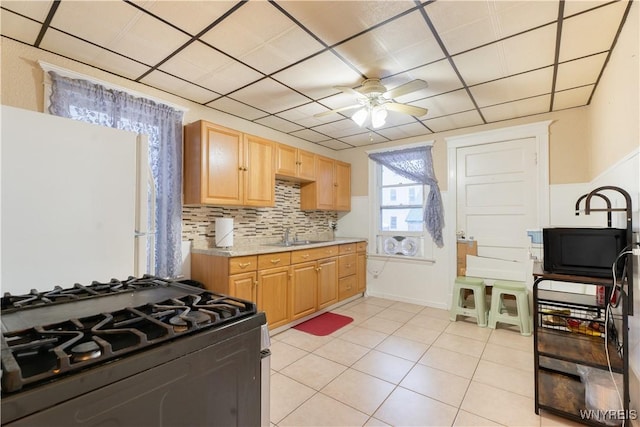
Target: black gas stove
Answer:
[[61, 346]]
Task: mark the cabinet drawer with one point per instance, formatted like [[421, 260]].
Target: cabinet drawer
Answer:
[[347, 287], [349, 248], [313, 254], [347, 265], [274, 260], [241, 264], [361, 246]]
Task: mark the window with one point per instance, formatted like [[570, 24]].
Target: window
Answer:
[[404, 186], [397, 211]]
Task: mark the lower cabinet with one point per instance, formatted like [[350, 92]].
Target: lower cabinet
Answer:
[[327, 282], [304, 285], [287, 285], [273, 288]]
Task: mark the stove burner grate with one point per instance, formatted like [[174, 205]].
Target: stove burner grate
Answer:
[[43, 352]]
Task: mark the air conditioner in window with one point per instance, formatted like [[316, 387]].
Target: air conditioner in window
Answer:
[[409, 246]]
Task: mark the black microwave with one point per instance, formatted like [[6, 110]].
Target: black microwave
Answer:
[[583, 251]]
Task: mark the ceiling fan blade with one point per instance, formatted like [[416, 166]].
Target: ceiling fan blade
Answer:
[[409, 87], [337, 110], [350, 91], [406, 109]]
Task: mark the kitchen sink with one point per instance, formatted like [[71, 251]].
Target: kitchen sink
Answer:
[[296, 243]]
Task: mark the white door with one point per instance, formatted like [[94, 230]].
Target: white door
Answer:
[[497, 194]]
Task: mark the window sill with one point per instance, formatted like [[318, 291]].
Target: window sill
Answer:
[[400, 258]]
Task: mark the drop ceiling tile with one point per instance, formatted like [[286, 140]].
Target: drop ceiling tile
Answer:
[[261, 36], [236, 108], [390, 49], [590, 32], [481, 22], [269, 95], [334, 144], [37, 10], [209, 68], [63, 44], [339, 128], [334, 21], [513, 88], [171, 84], [365, 138], [190, 16], [119, 27], [445, 104], [454, 121], [317, 76], [570, 98], [521, 108], [304, 115], [580, 72], [440, 76], [573, 7], [404, 131], [528, 51], [18, 27], [310, 135], [279, 124]]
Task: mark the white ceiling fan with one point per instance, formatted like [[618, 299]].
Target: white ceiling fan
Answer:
[[374, 100]]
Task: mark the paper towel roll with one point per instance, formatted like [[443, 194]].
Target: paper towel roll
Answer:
[[224, 232]]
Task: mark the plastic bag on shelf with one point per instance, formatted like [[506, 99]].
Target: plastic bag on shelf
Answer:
[[601, 395]]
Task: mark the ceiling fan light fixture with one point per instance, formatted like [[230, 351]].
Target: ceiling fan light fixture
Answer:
[[378, 117], [360, 116]]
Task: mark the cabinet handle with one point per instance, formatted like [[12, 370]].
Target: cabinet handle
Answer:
[[319, 268], [348, 265], [275, 261], [255, 283], [305, 255], [244, 264]]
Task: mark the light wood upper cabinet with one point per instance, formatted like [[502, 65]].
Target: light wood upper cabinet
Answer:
[[342, 188], [259, 179], [294, 163], [332, 188], [226, 167]]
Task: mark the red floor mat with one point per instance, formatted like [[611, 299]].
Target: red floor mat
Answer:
[[324, 324]]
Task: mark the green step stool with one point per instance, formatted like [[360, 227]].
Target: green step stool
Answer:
[[458, 308], [498, 312]]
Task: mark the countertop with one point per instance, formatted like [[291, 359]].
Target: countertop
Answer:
[[265, 248]]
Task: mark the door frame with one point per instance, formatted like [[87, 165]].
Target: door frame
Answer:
[[537, 130]]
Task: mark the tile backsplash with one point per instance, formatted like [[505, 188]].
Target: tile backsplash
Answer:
[[258, 225]]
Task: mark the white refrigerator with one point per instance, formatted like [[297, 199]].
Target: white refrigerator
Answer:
[[74, 203]]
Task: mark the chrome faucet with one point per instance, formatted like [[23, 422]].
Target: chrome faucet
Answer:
[[285, 237]]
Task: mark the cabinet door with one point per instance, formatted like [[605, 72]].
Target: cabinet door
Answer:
[[306, 165], [361, 273], [273, 287], [286, 160], [342, 186], [304, 282], [243, 286], [259, 179], [213, 160], [327, 282], [223, 158]]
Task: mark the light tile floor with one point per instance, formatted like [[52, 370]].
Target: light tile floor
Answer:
[[402, 364]]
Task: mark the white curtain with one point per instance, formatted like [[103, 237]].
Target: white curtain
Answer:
[[93, 103], [416, 164]]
